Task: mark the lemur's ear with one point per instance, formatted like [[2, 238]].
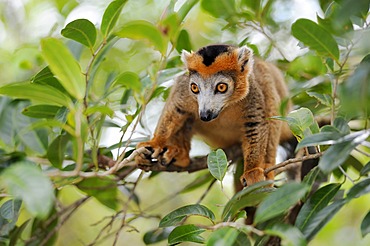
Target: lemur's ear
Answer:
[[245, 58], [184, 57]]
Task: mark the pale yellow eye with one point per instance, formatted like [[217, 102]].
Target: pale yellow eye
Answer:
[[221, 87], [194, 88]]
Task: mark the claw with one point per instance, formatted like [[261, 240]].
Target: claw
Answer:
[[163, 163]]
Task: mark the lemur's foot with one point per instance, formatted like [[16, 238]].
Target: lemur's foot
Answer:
[[162, 154], [252, 176]]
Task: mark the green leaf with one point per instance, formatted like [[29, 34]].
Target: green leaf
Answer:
[[140, 29], [315, 37], [310, 178], [217, 164], [40, 93], [365, 225], [319, 200], [170, 26], [41, 111], [26, 181], [129, 80], [337, 154], [35, 140], [280, 201], [9, 210], [219, 9], [301, 122], [249, 196], [342, 125], [56, 150], [64, 66], [186, 233], [180, 214], [227, 236], [306, 67], [365, 170], [183, 41], [157, 235], [322, 138], [110, 16], [354, 92], [359, 189], [185, 8], [350, 9], [105, 110], [94, 187], [290, 235], [254, 5], [82, 31], [46, 77], [16, 234], [324, 99], [320, 219]]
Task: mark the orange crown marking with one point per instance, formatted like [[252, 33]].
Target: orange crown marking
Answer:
[[223, 62]]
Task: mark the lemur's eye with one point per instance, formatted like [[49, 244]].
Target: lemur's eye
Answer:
[[194, 88], [221, 87]]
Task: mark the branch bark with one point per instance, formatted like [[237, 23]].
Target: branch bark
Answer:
[[233, 154]]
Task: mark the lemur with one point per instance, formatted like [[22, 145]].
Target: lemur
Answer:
[[226, 97]]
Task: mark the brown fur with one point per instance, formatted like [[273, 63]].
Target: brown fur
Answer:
[[258, 90]]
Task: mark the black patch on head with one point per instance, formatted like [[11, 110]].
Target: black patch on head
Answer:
[[209, 53]]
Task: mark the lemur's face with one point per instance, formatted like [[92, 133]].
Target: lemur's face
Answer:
[[218, 77], [212, 93]]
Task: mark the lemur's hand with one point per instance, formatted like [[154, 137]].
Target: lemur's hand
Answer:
[[161, 153]]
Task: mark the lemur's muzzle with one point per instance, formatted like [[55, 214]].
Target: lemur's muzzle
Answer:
[[207, 115]]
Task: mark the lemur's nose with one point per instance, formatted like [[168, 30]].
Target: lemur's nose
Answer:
[[207, 115]]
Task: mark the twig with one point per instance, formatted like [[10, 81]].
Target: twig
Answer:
[[206, 191], [125, 208], [346, 175], [336, 82], [124, 163], [362, 152], [59, 225], [293, 161], [238, 226]]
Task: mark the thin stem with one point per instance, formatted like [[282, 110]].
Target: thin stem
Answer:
[[206, 191], [129, 161], [59, 225], [346, 175], [80, 143], [336, 83], [239, 226], [125, 208], [362, 152], [293, 161], [89, 66]]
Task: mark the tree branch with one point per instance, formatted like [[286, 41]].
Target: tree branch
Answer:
[[233, 153]]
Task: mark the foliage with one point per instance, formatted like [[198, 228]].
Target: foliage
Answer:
[[97, 76]]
